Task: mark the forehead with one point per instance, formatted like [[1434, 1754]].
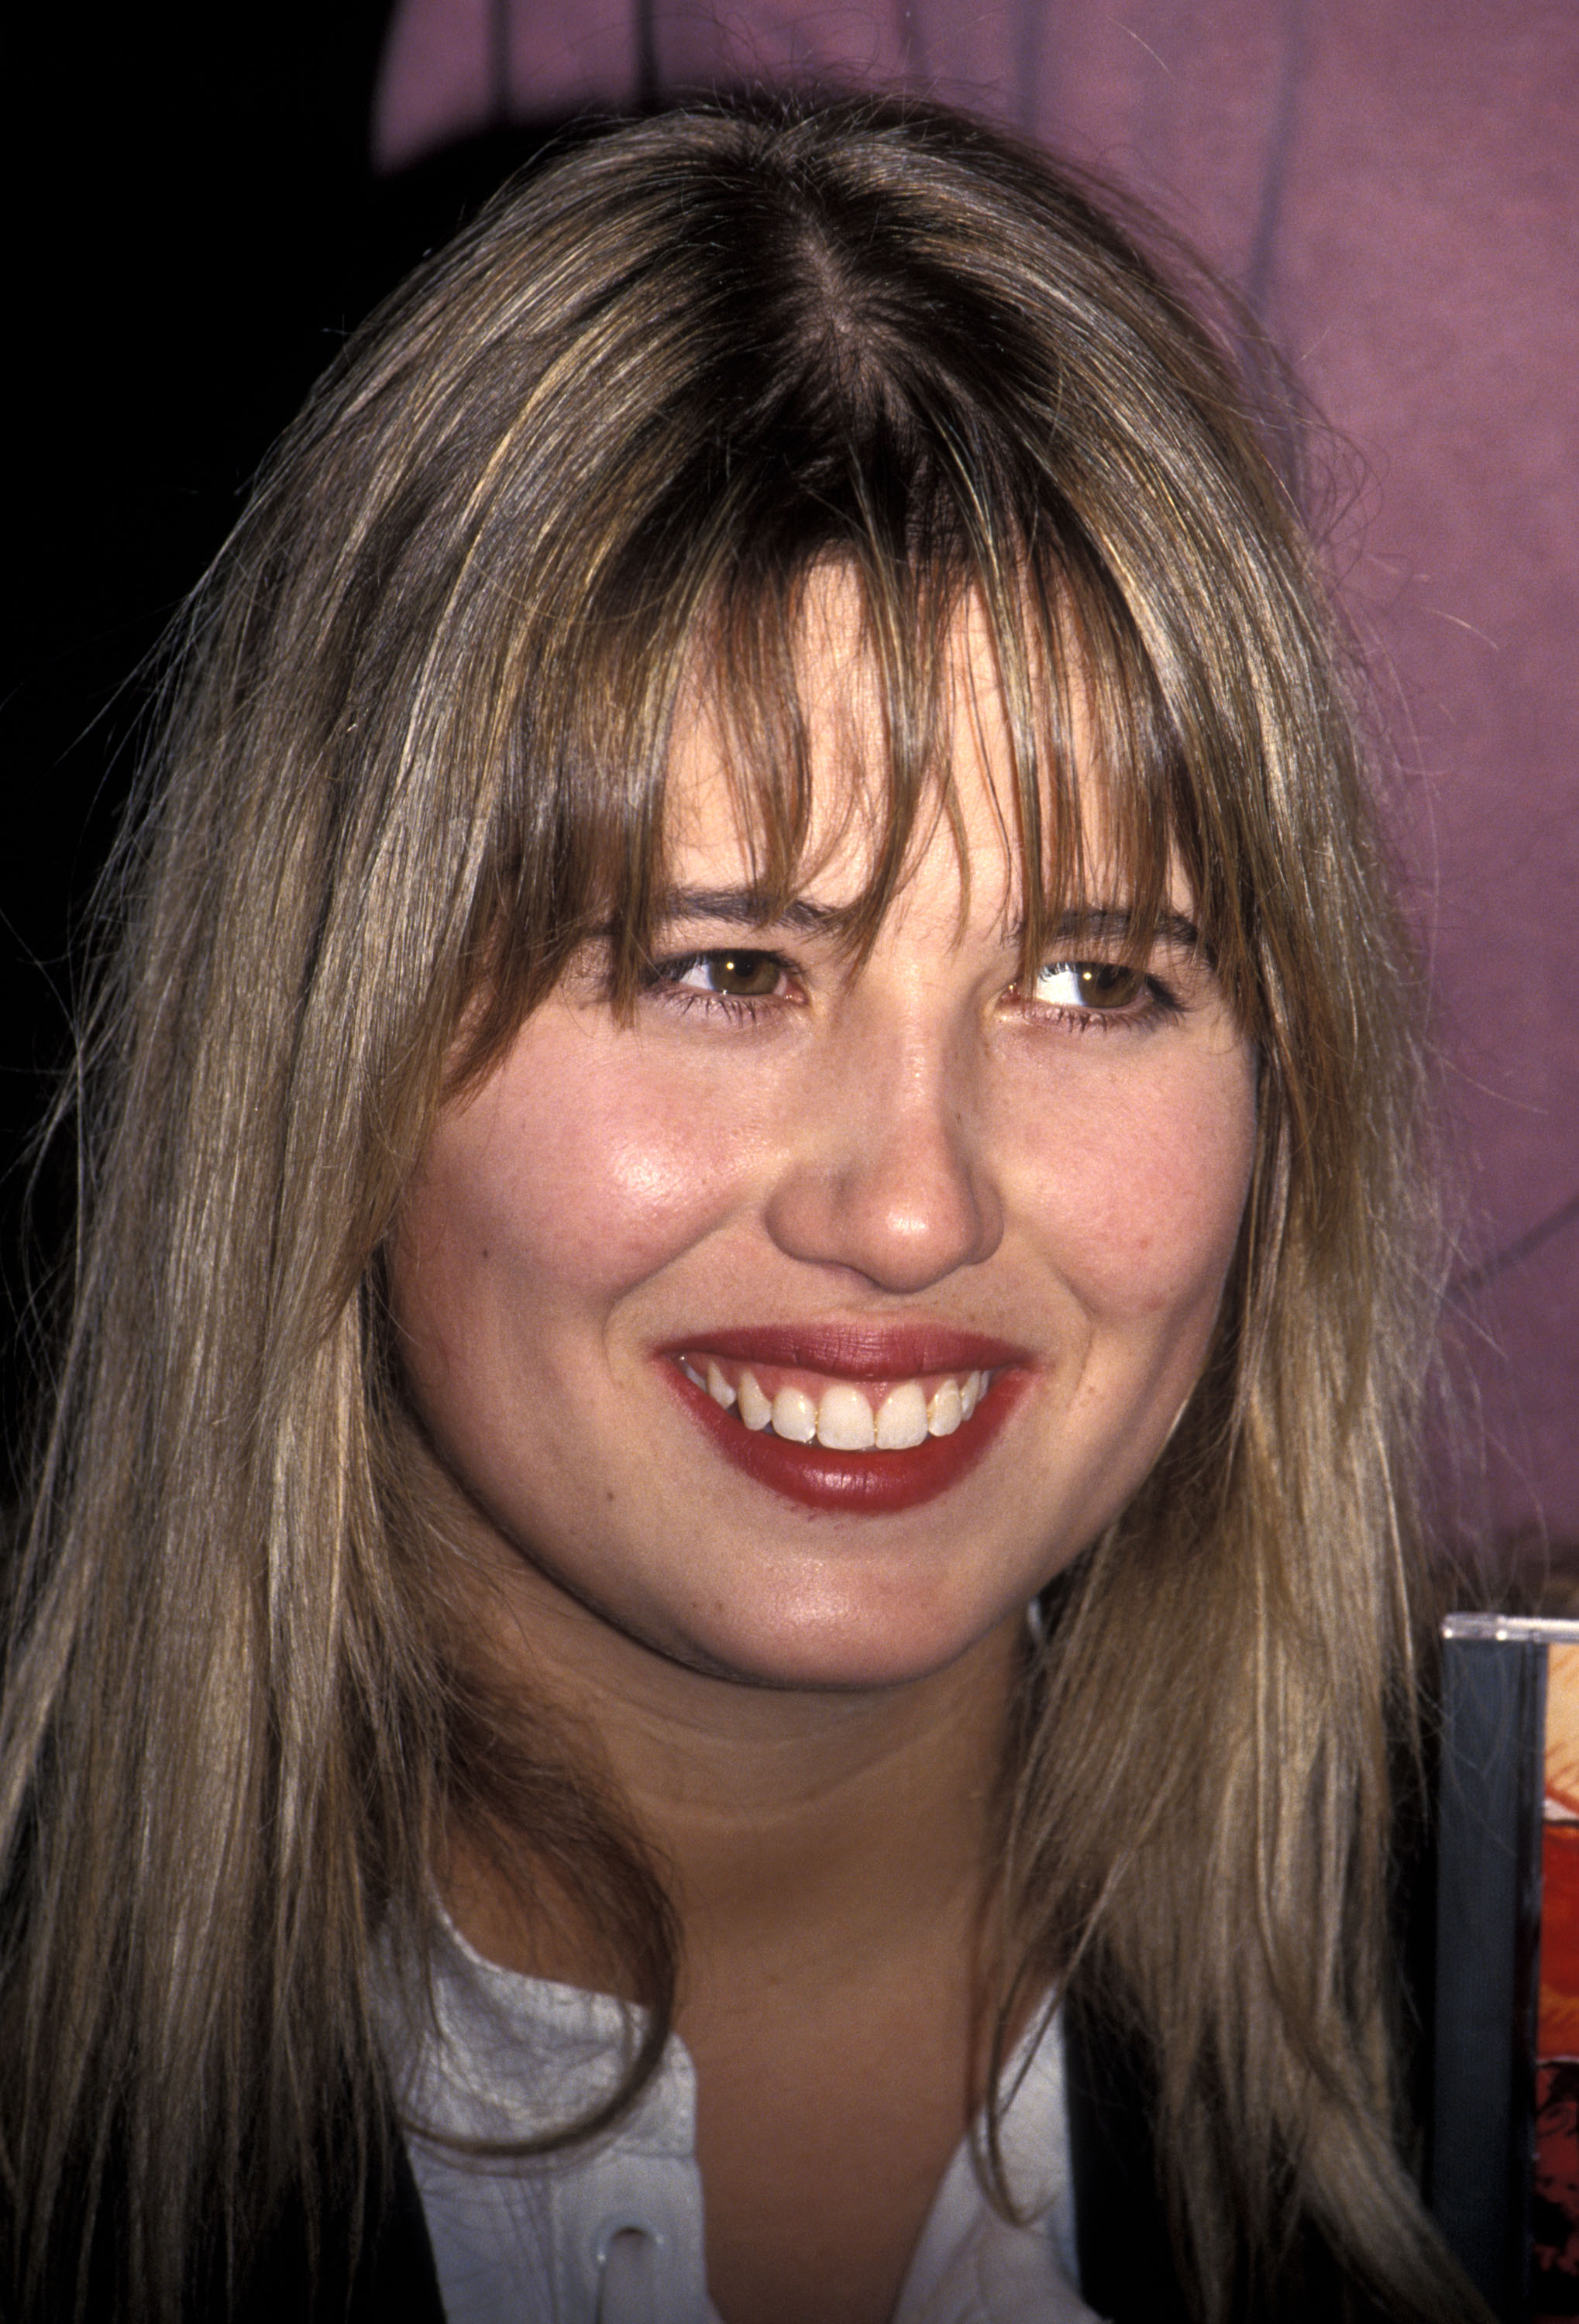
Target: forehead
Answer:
[[862, 792]]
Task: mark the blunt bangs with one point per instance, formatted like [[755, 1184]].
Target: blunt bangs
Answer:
[[1076, 740]]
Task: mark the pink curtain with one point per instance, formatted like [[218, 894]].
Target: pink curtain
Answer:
[[1393, 182]]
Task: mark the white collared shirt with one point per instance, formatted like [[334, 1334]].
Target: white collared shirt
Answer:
[[609, 2230]]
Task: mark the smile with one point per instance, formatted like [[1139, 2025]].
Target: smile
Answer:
[[865, 1421]]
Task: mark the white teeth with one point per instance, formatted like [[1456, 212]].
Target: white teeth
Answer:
[[794, 1416], [754, 1408], [844, 1419], [902, 1418], [946, 1410]]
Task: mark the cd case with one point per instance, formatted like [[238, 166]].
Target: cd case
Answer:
[[1504, 2173]]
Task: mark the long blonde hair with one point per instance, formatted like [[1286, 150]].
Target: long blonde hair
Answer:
[[414, 752]]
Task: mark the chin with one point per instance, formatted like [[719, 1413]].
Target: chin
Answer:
[[846, 1648]]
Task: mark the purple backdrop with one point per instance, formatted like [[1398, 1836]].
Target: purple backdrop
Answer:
[[1393, 183]]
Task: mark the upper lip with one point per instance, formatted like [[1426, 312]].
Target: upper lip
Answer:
[[853, 1351]]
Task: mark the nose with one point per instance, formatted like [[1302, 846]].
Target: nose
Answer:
[[888, 1173]]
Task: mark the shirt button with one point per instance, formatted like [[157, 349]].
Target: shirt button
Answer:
[[626, 2252]]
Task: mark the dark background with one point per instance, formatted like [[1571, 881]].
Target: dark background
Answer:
[[197, 226]]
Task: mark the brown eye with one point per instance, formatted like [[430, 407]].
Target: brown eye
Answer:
[[743, 975], [1102, 986], [1105, 986]]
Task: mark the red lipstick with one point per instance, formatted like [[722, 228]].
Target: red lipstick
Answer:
[[868, 1483], [854, 1351]]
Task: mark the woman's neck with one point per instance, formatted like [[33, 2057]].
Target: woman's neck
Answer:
[[792, 1826]]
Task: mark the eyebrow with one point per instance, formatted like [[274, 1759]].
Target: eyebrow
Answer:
[[738, 907], [1106, 924], [1111, 923]]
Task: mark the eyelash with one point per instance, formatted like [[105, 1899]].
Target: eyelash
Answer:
[[662, 980]]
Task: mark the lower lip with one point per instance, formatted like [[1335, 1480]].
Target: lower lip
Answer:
[[868, 1484]]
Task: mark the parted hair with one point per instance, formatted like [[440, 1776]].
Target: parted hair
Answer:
[[412, 756]]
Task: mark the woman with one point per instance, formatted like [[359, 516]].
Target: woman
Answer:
[[756, 1027]]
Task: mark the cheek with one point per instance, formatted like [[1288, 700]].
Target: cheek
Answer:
[[567, 1181], [1144, 1196]]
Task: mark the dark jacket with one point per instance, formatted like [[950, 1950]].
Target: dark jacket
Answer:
[[1127, 2273]]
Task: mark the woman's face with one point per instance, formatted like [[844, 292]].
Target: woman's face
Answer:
[[966, 1234]]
